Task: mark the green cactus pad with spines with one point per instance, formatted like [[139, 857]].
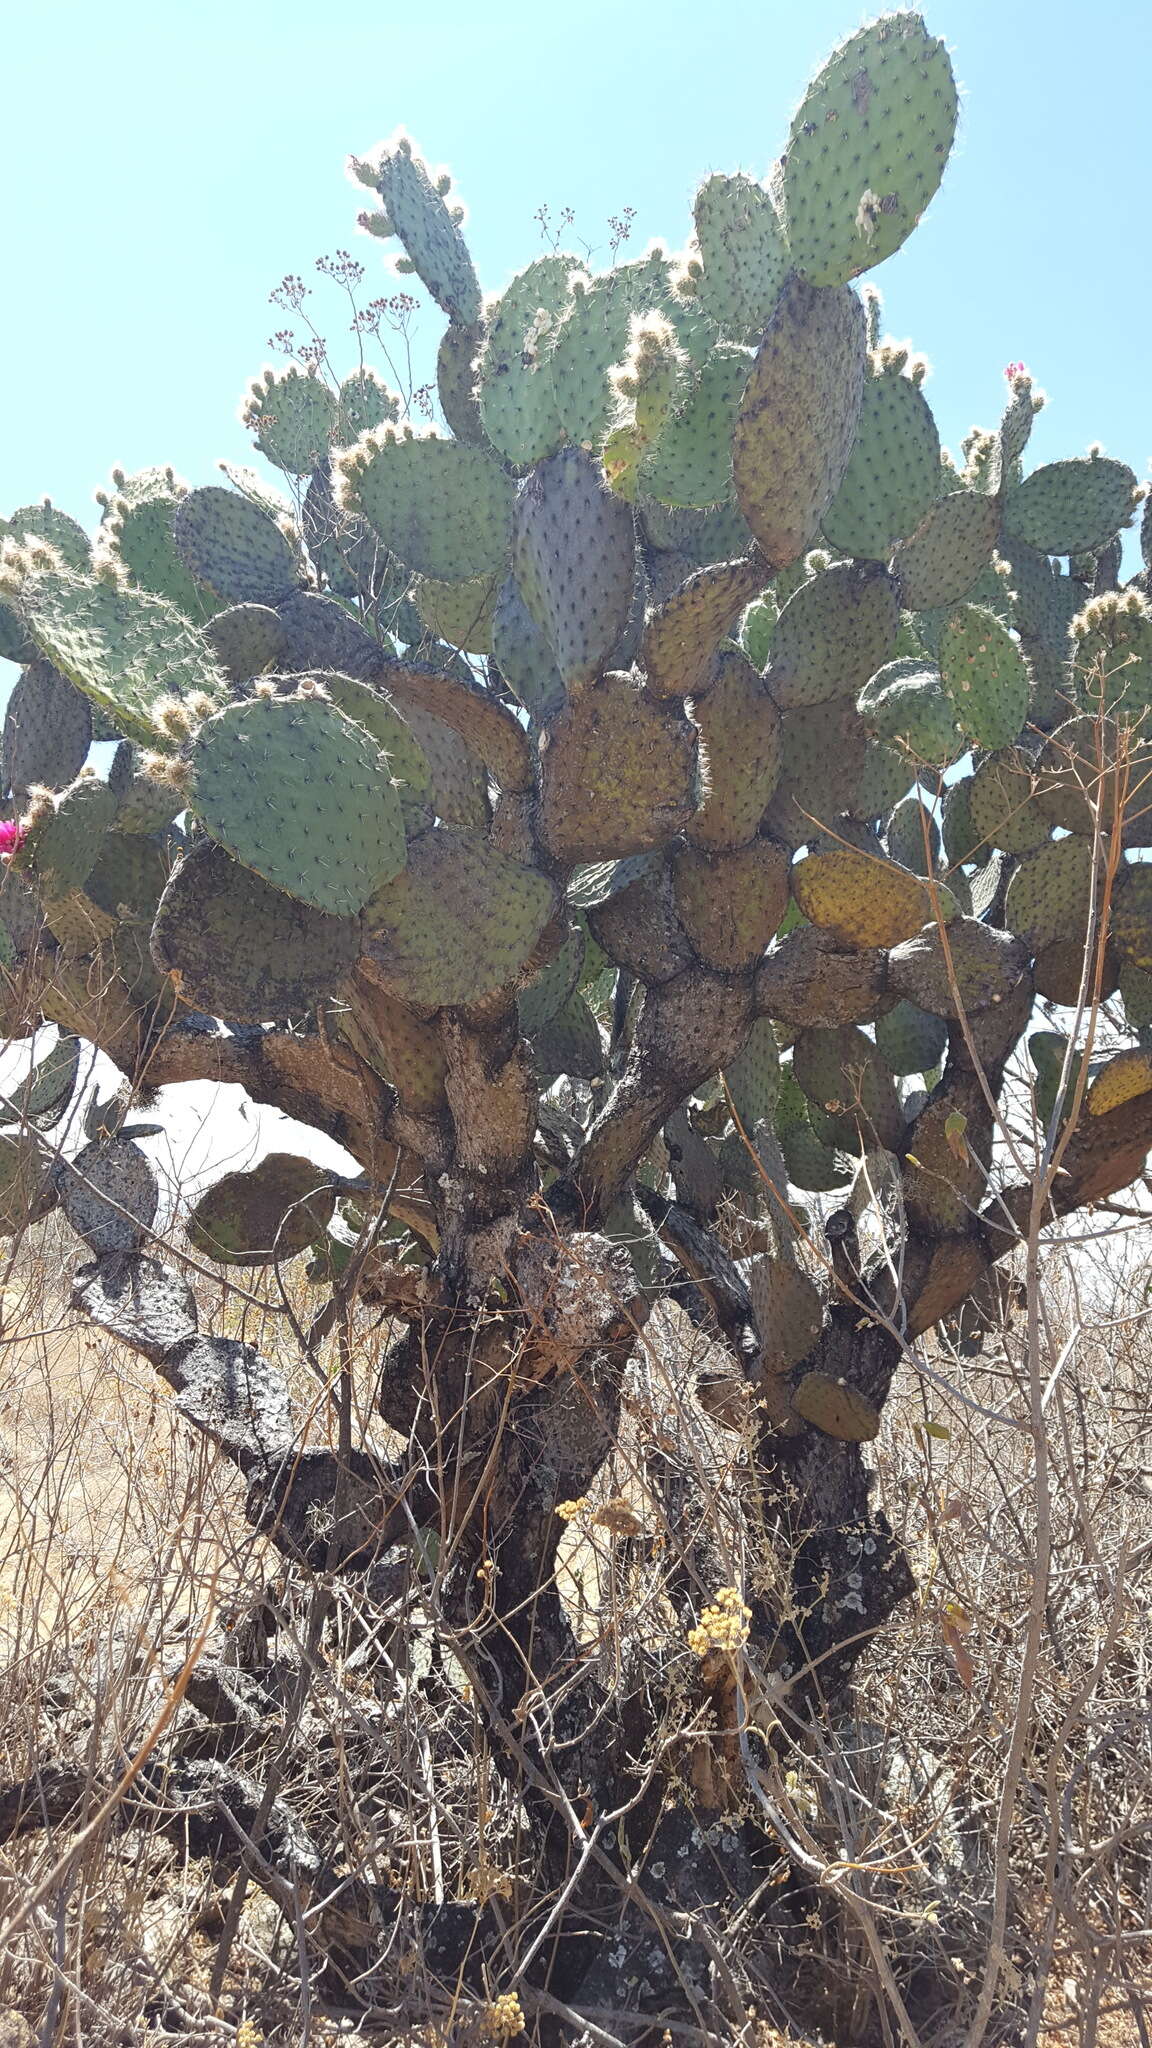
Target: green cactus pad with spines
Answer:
[[1059, 974], [691, 461], [946, 1152], [459, 780], [523, 655], [985, 676], [243, 950], [812, 1165], [248, 640], [61, 848], [123, 648], [1112, 657], [893, 478], [362, 402], [392, 733], [43, 1096], [429, 230], [127, 879], [789, 1312], [833, 634], [836, 1409], [799, 416], [827, 761], [570, 1043], [593, 335], [267, 1216], [699, 539], [292, 415], [443, 508], [905, 832], [867, 149], [1002, 805], [951, 547], [740, 732], [742, 255], [1135, 984], [547, 994], [461, 921], [459, 613], [139, 530], [753, 1077], [1050, 895], [731, 903], [1132, 924], [574, 559], [15, 644], [28, 1186], [1073, 507], [756, 628], [910, 1040], [517, 402], [618, 775], [145, 804], [906, 703], [682, 635], [862, 901], [46, 522], [985, 965], [456, 381], [1092, 770], [235, 548], [485, 725], [47, 730], [299, 794], [321, 633], [842, 1073]]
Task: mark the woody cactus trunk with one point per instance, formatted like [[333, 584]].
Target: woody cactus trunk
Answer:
[[622, 818]]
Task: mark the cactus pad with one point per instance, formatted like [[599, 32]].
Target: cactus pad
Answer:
[[429, 229], [443, 508], [1050, 895], [836, 631], [1073, 507], [109, 1194], [731, 903], [984, 965], [985, 676], [461, 921], [867, 148], [953, 544], [574, 558], [271, 1214], [911, 1040], [123, 648], [618, 774], [242, 950], [740, 730], [860, 900], [682, 635], [247, 640], [893, 478], [234, 547], [292, 415], [906, 703], [300, 794], [741, 252], [47, 730], [799, 416], [836, 1409]]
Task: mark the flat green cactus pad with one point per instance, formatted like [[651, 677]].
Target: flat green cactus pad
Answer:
[[123, 648], [523, 653], [362, 402], [461, 921], [574, 558], [834, 633], [430, 231], [798, 419], [46, 522], [836, 1409], [139, 530], [1073, 507], [867, 148], [905, 702], [242, 950], [459, 613], [861, 900], [110, 1194], [267, 1216], [682, 635], [248, 640], [300, 794], [691, 461], [742, 254], [62, 846], [47, 730], [893, 478], [911, 1040], [953, 544], [292, 415], [235, 548], [1003, 806], [517, 402], [1050, 895], [731, 903], [843, 1074], [443, 508], [985, 676], [1112, 661]]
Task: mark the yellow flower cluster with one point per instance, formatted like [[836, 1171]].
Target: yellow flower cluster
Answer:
[[248, 2035], [569, 1509], [505, 2017], [723, 1625]]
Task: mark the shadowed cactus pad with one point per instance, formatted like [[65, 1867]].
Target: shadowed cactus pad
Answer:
[[242, 950], [574, 560], [985, 676], [47, 730], [618, 772], [835, 1408], [789, 1313], [297, 791], [441, 507], [109, 1194], [235, 548], [460, 921], [272, 1213], [861, 901]]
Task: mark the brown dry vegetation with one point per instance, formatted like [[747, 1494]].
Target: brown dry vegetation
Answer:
[[128, 1573]]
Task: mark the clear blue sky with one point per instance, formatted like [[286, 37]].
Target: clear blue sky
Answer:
[[163, 166]]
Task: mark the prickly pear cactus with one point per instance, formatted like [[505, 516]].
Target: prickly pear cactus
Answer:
[[632, 809]]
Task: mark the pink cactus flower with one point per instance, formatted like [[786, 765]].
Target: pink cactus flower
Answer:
[[11, 836], [1014, 370]]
